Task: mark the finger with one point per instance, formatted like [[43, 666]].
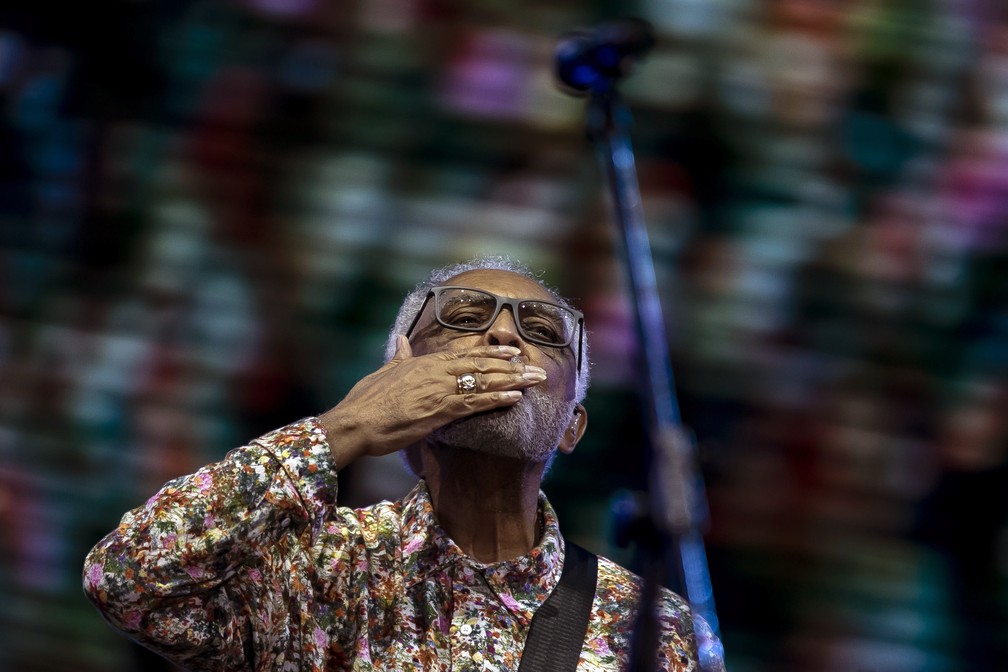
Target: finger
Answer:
[[503, 352], [488, 365], [462, 405], [492, 382]]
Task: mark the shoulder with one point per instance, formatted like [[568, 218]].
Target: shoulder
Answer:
[[620, 587], [614, 616]]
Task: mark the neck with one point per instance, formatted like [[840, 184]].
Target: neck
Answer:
[[488, 505]]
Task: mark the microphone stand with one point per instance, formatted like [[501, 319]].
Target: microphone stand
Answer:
[[667, 528]]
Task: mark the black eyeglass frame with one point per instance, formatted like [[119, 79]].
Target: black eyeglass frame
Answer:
[[501, 302]]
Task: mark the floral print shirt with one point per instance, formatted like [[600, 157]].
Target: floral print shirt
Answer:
[[249, 564]]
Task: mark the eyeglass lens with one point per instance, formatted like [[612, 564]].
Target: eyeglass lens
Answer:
[[474, 310]]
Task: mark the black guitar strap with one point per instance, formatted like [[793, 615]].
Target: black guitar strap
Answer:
[[559, 625]]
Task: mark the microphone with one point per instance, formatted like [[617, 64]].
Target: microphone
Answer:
[[589, 60]]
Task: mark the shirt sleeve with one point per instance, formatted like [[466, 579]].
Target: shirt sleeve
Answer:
[[202, 571], [710, 651]]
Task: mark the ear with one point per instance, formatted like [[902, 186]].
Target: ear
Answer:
[[573, 433]]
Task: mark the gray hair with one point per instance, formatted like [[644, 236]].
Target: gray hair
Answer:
[[411, 306]]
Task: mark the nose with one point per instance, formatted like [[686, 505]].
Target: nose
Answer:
[[504, 331]]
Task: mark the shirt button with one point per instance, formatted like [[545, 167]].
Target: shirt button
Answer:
[[466, 629]]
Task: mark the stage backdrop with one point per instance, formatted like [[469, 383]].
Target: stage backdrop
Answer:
[[210, 210]]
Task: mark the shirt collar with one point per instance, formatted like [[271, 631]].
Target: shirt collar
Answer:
[[522, 583]]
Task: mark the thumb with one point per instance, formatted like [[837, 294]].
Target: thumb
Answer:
[[403, 349]]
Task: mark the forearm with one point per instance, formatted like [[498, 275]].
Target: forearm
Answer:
[[169, 556]]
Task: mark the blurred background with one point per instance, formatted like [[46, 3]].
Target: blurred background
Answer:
[[210, 211]]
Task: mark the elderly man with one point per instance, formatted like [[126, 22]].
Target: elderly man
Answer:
[[249, 564]]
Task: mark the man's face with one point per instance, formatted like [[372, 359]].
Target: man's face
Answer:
[[530, 429]]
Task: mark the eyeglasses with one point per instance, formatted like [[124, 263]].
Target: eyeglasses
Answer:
[[540, 322]]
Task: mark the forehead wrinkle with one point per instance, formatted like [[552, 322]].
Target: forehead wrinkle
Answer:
[[500, 282]]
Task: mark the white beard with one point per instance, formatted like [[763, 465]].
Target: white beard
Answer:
[[530, 430]]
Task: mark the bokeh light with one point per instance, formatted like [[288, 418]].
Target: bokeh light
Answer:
[[210, 210]]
